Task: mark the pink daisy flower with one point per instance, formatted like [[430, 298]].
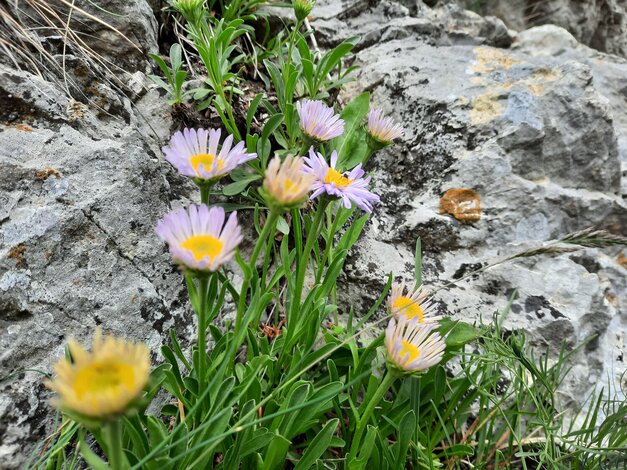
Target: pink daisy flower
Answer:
[[318, 121], [351, 187], [198, 238], [383, 129], [413, 346], [194, 153], [415, 304]]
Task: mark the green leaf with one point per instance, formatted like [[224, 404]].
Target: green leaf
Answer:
[[351, 145], [405, 431], [252, 109], [90, 457], [460, 333], [418, 264], [282, 226], [275, 453], [238, 187], [318, 445]]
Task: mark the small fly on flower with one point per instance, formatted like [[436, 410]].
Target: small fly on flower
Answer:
[[351, 187]]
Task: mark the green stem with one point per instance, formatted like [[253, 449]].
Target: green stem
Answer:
[[289, 49], [384, 386], [369, 154], [303, 260], [204, 193], [203, 284], [117, 459], [328, 249], [268, 228], [307, 143]]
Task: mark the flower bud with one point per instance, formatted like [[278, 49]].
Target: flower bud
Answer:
[[302, 8]]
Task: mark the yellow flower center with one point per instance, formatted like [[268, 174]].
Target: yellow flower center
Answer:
[[409, 350], [408, 307], [334, 176], [290, 186], [203, 245], [205, 159], [102, 377]]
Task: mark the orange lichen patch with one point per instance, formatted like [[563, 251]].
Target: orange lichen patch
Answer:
[[489, 59], [17, 253], [42, 175], [462, 203], [485, 108], [22, 127], [622, 259]]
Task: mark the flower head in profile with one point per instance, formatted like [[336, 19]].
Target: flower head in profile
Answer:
[[351, 187], [103, 382], [413, 346], [195, 153], [302, 8], [415, 304], [198, 238], [383, 130], [286, 184], [318, 121], [191, 10]]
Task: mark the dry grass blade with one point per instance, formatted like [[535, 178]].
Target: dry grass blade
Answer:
[[30, 31], [592, 237]]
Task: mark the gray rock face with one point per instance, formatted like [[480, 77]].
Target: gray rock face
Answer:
[[600, 24], [538, 131], [80, 198], [122, 32]]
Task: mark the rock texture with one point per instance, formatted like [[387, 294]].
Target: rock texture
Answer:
[[600, 24], [79, 199], [537, 131], [533, 125]]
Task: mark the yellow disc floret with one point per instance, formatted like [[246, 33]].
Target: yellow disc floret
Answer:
[[206, 160], [102, 382], [409, 350], [335, 177], [203, 246], [409, 307]]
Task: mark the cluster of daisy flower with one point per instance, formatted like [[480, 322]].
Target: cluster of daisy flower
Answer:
[[107, 380], [411, 339]]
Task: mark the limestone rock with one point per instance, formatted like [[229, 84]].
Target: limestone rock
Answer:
[[120, 32], [600, 24], [538, 136], [77, 245]]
